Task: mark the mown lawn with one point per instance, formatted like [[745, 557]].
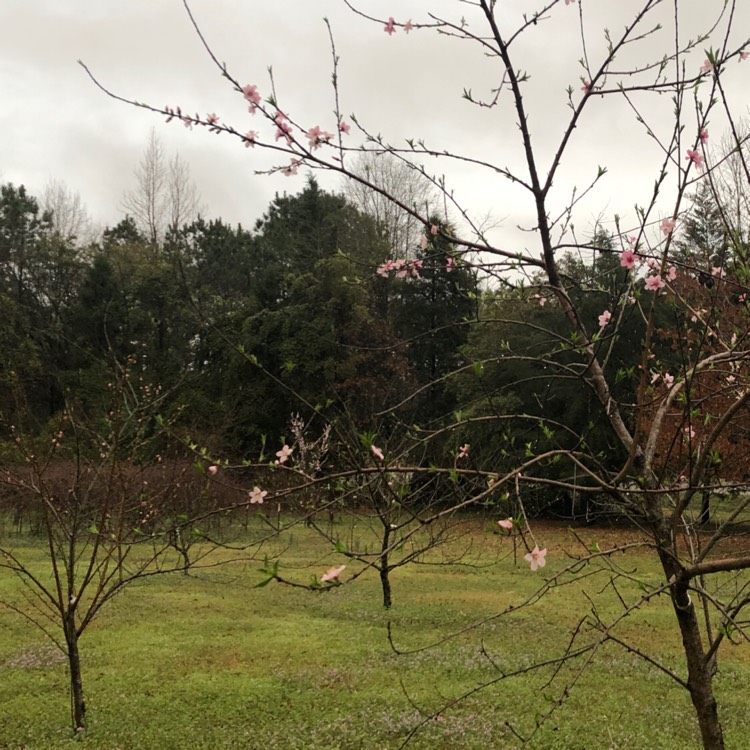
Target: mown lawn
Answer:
[[208, 662]]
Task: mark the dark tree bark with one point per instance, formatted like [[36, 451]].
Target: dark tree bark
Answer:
[[77, 703], [699, 667], [383, 568]]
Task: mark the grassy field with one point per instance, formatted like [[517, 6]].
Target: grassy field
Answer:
[[209, 662]]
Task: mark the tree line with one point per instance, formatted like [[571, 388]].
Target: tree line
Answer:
[[239, 329]]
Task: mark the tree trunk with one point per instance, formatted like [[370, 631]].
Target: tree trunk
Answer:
[[383, 568], [385, 583], [699, 673], [700, 676], [705, 515], [700, 670], [77, 703]]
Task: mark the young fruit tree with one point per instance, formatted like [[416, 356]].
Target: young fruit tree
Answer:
[[610, 358], [96, 508]]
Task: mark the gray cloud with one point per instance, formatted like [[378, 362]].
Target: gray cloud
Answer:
[[55, 123]]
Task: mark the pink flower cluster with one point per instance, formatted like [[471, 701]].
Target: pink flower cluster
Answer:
[[316, 136], [252, 97], [403, 268], [695, 157], [283, 128], [294, 165], [391, 26]]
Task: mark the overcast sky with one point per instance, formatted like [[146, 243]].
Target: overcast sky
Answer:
[[55, 124]]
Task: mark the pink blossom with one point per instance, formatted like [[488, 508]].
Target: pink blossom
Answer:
[[695, 157], [377, 452], [507, 524], [463, 451], [449, 264], [283, 454], [257, 495], [187, 122], [731, 379], [212, 118], [433, 229], [403, 268], [313, 135], [408, 26], [655, 377], [212, 470], [604, 318], [718, 272], [332, 574], [316, 136], [345, 127], [541, 300], [568, 2], [627, 259], [654, 283], [536, 558], [424, 241], [654, 264], [707, 66], [742, 297], [744, 55], [251, 94], [667, 225], [704, 136], [586, 86], [292, 168], [390, 27], [672, 273], [690, 432], [284, 130], [668, 379], [250, 138], [384, 269]]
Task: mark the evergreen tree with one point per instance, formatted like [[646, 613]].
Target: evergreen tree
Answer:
[[432, 314]]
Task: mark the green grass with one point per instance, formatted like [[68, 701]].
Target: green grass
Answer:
[[209, 662]]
